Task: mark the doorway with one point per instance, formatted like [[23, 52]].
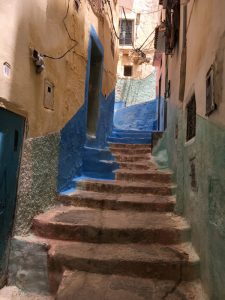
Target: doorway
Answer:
[[11, 140], [159, 104], [94, 89]]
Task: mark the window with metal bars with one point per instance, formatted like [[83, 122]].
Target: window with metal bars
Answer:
[[126, 32], [191, 119]]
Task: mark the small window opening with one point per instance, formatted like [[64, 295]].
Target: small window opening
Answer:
[[191, 119], [128, 71], [210, 98], [126, 32], [49, 89]]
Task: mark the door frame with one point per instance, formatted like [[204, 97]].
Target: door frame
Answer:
[[93, 39], [14, 108]]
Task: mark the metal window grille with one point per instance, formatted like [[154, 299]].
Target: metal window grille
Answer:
[[191, 119], [210, 98], [126, 32]]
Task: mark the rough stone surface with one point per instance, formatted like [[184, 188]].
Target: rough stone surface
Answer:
[[174, 262], [28, 268], [14, 293], [38, 179], [85, 286], [136, 244], [120, 186], [106, 226], [134, 202]]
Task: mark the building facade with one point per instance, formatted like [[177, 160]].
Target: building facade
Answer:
[[136, 75], [190, 60], [57, 90]]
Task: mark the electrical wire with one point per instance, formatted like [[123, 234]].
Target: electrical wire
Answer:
[[144, 12], [68, 33], [146, 39], [112, 19]]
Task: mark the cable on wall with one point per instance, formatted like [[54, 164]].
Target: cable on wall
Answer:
[[68, 33]]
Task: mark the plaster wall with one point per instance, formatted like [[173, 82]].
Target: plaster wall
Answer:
[[39, 24], [134, 91], [198, 165], [148, 11]]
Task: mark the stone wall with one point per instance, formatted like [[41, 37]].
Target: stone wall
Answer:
[[38, 179]]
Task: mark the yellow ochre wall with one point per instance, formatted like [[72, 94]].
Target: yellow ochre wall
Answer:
[[38, 24]]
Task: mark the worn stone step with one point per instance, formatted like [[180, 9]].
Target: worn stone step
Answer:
[[131, 175], [108, 226], [130, 151], [129, 146], [82, 286], [136, 202], [132, 158], [171, 262], [121, 186], [141, 165], [129, 140]]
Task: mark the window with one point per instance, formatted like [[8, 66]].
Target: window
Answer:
[[210, 99], [191, 119], [128, 71], [126, 32]]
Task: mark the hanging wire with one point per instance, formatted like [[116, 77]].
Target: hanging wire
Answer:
[[68, 33], [112, 19], [144, 12]]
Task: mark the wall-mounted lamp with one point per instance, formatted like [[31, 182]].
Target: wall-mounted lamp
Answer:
[[38, 60]]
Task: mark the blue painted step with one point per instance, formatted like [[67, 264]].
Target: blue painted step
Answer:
[[116, 130], [131, 135], [130, 140], [99, 163]]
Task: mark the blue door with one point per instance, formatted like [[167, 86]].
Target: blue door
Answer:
[[11, 139]]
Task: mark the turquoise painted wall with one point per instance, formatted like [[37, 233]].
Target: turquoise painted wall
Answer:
[[134, 91], [201, 199]]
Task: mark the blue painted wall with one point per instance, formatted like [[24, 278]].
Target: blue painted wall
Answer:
[[73, 135], [119, 104], [137, 117], [161, 106]]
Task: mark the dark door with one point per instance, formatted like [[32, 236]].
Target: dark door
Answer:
[[94, 89], [11, 139], [159, 104]]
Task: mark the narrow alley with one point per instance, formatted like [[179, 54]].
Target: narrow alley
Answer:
[[112, 142]]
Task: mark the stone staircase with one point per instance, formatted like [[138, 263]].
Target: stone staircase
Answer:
[[115, 240]]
